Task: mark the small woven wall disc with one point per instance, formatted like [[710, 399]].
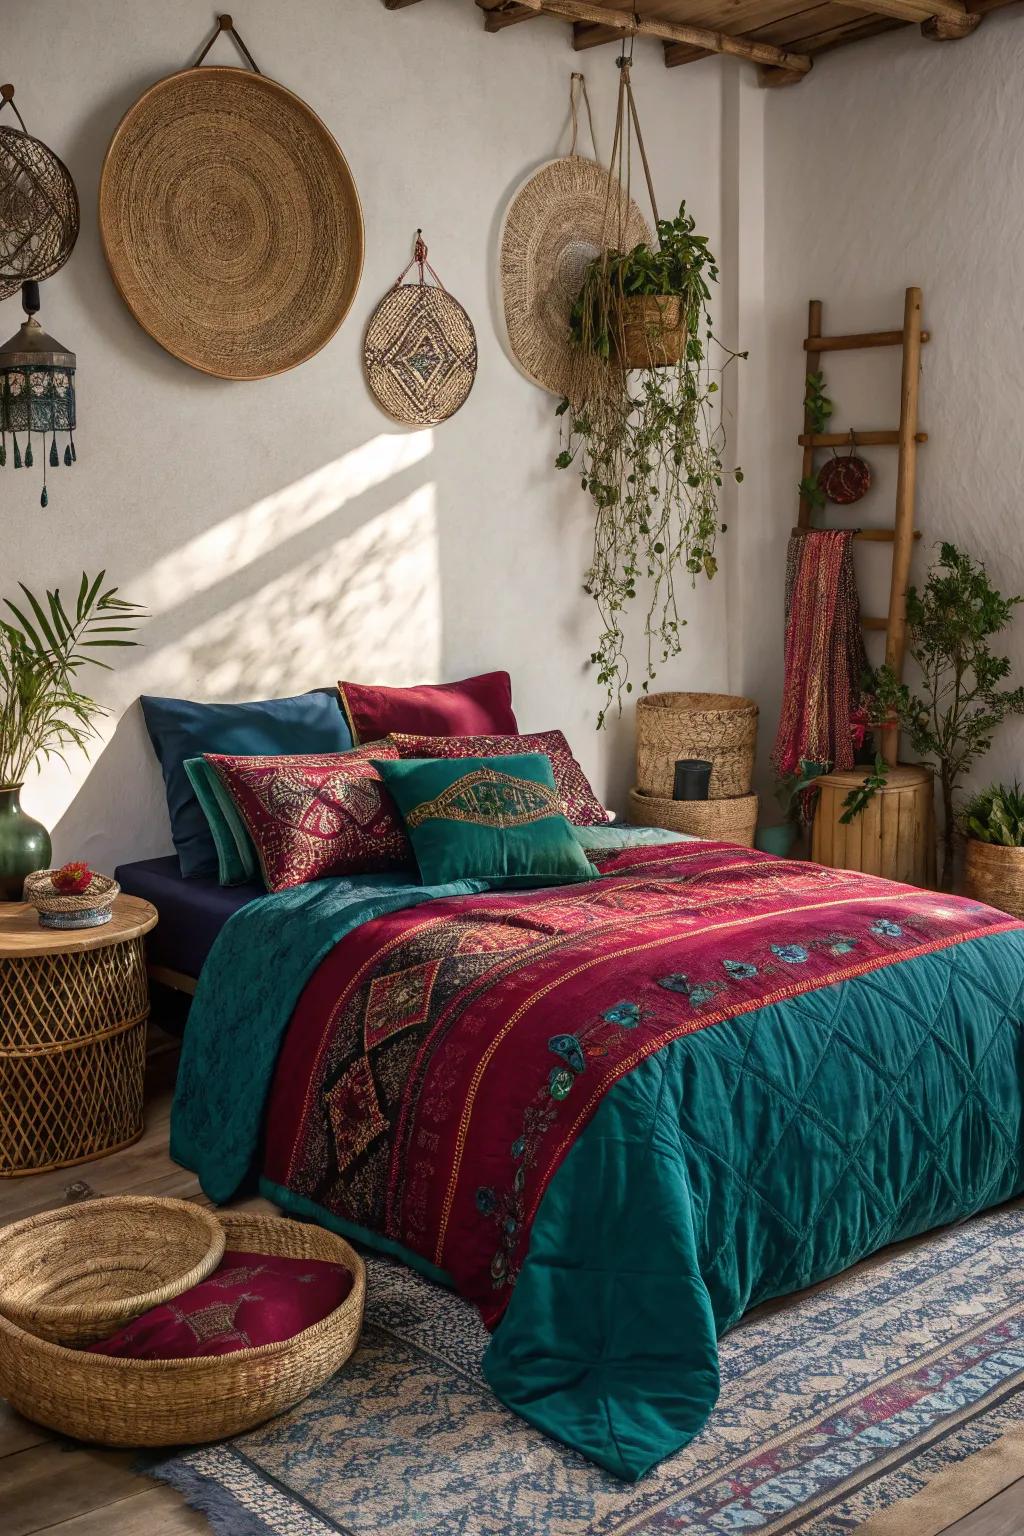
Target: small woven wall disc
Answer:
[[558, 221], [420, 354], [845, 480], [38, 211], [230, 222]]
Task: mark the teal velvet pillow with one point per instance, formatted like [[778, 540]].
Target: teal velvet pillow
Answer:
[[497, 819], [237, 862]]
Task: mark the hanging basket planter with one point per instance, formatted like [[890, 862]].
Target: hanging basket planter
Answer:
[[650, 331]]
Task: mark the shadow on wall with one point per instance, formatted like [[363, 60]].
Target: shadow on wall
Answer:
[[334, 575]]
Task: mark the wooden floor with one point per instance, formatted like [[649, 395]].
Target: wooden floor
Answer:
[[83, 1492]]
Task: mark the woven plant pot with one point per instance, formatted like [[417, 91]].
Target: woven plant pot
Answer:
[[651, 331], [718, 727], [720, 821], [79, 1273], [112, 1401], [995, 875]]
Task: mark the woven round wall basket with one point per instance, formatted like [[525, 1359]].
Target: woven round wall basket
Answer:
[[230, 222], [420, 349], [721, 728], [723, 821], [558, 221], [39, 216]]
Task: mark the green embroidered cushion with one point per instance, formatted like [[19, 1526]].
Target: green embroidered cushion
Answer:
[[236, 857], [497, 819]]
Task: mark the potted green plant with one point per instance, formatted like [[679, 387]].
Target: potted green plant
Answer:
[[993, 823], [795, 794], [643, 428], [952, 715], [42, 709]]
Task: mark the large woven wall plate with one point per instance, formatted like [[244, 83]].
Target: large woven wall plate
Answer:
[[420, 354], [555, 224], [230, 222]]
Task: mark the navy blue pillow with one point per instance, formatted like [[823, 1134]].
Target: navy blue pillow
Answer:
[[180, 729]]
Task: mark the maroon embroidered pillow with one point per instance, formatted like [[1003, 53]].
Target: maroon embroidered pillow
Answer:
[[476, 704], [250, 1299], [312, 816], [579, 803]]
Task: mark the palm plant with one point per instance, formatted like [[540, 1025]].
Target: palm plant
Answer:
[[42, 650]]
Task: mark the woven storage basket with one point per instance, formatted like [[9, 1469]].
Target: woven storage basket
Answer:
[[79, 1273], [651, 331], [112, 1401], [723, 821], [721, 728], [995, 875]]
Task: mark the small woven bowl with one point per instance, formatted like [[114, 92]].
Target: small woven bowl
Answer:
[[79, 1273], [60, 909]]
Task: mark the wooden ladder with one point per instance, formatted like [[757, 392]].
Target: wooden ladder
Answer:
[[906, 438]]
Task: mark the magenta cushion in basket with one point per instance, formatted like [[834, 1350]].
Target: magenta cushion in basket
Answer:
[[579, 803], [316, 815], [476, 704], [250, 1299]]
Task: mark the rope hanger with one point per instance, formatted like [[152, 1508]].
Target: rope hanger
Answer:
[[225, 24], [627, 123], [7, 96]]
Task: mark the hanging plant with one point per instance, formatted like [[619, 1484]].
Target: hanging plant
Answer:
[[643, 424]]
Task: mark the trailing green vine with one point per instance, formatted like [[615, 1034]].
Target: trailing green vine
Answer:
[[648, 446]]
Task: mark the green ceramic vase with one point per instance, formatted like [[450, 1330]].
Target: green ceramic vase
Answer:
[[24, 844]]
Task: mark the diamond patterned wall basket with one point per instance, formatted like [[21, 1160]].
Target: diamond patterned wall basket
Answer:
[[420, 348]]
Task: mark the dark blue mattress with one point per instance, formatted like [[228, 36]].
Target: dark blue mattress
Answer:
[[192, 912]]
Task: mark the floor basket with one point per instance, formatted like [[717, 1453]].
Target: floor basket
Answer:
[[79, 1273], [112, 1401], [995, 875], [721, 728], [722, 821]]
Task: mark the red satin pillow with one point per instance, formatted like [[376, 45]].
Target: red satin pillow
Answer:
[[250, 1299], [476, 704], [580, 804], [316, 815]]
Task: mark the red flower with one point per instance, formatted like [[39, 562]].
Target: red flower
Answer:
[[72, 879]]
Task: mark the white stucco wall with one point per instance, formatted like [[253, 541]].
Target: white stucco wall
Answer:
[[901, 162], [286, 533]]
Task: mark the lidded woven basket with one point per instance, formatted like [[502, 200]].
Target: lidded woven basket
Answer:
[[721, 728], [720, 821]]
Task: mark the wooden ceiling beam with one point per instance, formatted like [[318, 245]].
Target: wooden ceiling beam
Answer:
[[499, 14], [674, 32], [588, 34], [956, 19]]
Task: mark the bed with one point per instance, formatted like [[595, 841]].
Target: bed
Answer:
[[192, 913], [615, 1115]]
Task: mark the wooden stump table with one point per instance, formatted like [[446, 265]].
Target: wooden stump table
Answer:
[[73, 1011]]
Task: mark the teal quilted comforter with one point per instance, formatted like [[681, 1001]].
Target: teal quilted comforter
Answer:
[[739, 1162]]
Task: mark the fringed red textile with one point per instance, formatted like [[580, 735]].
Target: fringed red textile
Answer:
[[825, 657]]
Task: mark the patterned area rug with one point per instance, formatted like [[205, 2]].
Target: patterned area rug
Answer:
[[903, 1380]]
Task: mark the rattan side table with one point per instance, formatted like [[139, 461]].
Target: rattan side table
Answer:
[[73, 1011]]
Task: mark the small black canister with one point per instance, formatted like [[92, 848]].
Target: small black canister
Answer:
[[692, 780]]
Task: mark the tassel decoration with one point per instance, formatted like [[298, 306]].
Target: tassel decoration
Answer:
[[17, 451], [29, 460], [54, 457], [67, 457], [44, 498]]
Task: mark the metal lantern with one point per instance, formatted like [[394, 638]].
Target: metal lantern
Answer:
[[37, 394]]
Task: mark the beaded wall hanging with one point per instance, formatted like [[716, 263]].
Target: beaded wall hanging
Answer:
[[420, 349]]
